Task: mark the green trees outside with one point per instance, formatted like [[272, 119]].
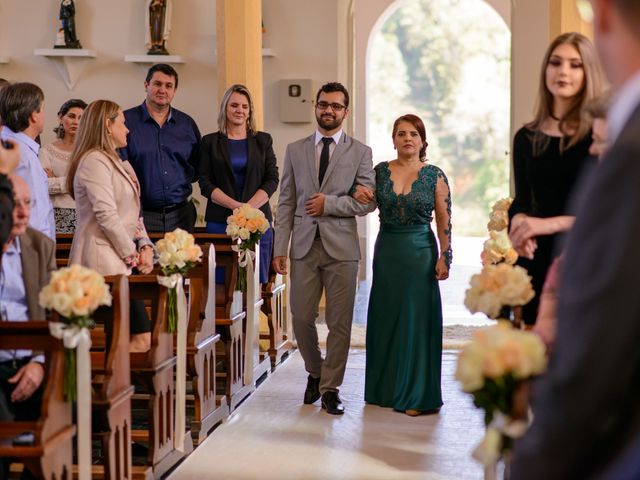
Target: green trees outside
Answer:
[[449, 62]]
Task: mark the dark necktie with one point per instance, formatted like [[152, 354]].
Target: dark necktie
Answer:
[[324, 158]]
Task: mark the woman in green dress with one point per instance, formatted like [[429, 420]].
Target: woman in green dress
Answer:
[[404, 321]]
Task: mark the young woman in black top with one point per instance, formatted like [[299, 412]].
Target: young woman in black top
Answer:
[[549, 154]]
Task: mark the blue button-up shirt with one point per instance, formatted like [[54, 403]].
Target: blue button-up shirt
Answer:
[[13, 295], [31, 170], [164, 158]]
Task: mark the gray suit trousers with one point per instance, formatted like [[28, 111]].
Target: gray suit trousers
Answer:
[[308, 277]]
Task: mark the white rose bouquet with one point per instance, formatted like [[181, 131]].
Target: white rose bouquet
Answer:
[[74, 293], [497, 286], [499, 216], [498, 248], [245, 226], [177, 254], [492, 368]]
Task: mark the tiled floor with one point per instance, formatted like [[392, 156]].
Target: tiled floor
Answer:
[[274, 436]]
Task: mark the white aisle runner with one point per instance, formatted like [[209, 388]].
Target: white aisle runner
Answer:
[[273, 436]]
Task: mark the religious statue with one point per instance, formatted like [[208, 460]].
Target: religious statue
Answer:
[[67, 17], [159, 23]]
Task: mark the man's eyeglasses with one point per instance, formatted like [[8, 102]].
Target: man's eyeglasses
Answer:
[[336, 107]]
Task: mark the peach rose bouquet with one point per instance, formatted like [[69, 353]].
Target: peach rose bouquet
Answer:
[[498, 248], [499, 216], [245, 226], [497, 286], [177, 254], [74, 293], [493, 368]]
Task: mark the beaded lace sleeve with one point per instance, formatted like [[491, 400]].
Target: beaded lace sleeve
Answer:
[[443, 216]]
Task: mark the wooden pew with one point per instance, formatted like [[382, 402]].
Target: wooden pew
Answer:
[[209, 408], [225, 296], [154, 370], [274, 308], [50, 456], [112, 389], [229, 319]]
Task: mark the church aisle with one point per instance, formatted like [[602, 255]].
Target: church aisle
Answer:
[[274, 436]]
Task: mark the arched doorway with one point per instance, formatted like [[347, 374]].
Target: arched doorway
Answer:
[[449, 62]]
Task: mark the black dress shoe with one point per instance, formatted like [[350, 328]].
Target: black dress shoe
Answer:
[[312, 393], [332, 403]]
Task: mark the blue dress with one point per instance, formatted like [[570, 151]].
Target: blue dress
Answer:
[[404, 320]]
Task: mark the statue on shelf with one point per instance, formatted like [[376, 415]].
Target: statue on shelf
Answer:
[[159, 23], [68, 19]]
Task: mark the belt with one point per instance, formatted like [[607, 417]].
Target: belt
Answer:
[[168, 208]]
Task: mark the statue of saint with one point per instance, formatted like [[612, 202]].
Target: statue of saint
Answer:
[[68, 19], [159, 23]]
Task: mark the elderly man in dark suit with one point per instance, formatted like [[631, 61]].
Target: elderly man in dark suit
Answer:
[[27, 262], [587, 407]]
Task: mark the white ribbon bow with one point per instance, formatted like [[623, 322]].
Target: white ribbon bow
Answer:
[[79, 338], [489, 450], [176, 281], [243, 255]]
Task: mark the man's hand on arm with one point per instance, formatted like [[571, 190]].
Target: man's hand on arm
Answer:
[[314, 207]]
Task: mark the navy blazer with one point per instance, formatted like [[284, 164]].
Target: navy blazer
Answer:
[[586, 405], [215, 171]]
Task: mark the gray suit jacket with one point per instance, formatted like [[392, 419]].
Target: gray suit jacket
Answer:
[[38, 261], [587, 406], [350, 163]]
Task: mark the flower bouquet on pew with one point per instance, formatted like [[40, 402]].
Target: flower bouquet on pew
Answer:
[[245, 226], [177, 254], [497, 287], [74, 293], [494, 368]]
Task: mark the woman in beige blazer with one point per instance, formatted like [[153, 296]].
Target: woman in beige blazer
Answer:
[[110, 236]]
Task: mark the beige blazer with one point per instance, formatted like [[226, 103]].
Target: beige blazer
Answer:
[[108, 207]]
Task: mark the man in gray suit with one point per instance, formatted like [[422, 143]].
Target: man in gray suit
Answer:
[[316, 212], [587, 406]]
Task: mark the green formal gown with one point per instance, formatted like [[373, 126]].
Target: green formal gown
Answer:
[[404, 320]]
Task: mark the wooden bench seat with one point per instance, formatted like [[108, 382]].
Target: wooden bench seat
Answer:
[[50, 456]]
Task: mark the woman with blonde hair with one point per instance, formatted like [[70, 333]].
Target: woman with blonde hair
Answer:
[[237, 165], [549, 155], [110, 235]]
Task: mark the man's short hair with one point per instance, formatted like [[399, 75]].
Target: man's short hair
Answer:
[[162, 68], [334, 87], [17, 102]]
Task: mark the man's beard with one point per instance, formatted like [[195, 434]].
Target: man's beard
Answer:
[[330, 123]]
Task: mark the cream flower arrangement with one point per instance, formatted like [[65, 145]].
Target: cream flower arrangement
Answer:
[[177, 254], [245, 226], [499, 216], [492, 368], [498, 248], [497, 286], [74, 292]]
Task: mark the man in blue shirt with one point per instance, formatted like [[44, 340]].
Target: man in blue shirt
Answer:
[[161, 147], [22, 113]]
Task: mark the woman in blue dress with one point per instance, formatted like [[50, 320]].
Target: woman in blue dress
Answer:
[[404, 320], [237, 165]]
